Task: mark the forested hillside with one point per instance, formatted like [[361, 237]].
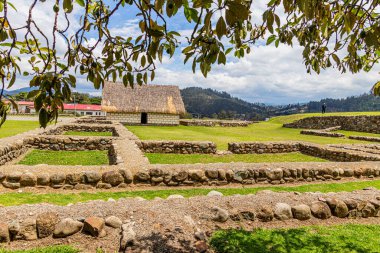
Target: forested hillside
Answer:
[[216, 104]]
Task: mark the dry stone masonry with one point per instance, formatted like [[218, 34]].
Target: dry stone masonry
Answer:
[[177, 147], [370, 124], [213, 123], [262, 147]]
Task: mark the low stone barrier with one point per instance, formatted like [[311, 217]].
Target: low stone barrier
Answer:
[[82, 128], [57, 143], [262, 147], [212, 123], [93, 121], [365, 138], [82, 178], [12, 151], [322, 133], [370, 124], [177, 147], [336, 154]]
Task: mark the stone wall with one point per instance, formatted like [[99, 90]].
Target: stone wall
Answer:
[[153, 118], [370, 124], [336, 154], [212, 123], [184, 175], [322, 133], [325, 152], [12, 151], [82, 128], [58, 143], [177, 147], [365, 138], [262, 147]]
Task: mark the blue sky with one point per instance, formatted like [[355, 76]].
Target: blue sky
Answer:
[[269, 75]]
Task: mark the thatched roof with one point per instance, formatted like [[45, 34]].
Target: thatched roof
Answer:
[[145, 98]]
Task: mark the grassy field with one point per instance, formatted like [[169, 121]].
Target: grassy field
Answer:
[[316, 239], [92, 157], [51, 249], [88, 133], [248, 158], [13, 127], [271, 130], [16, 198]]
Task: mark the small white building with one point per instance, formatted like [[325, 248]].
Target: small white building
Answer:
[[27, 107]]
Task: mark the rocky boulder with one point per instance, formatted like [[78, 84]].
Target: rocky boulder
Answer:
[[93, 225], [301, 212], [320, 210], [67, 227], [46, 223], [283, 211]]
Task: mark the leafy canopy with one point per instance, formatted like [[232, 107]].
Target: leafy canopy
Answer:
[[334, 33]]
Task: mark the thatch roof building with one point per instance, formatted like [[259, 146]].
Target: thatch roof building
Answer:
[[146, 104]]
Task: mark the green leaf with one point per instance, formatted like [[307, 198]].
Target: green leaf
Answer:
[[376, 89], [80, 2], [221, 28], [68, 6], [271, 39], [222, 58]]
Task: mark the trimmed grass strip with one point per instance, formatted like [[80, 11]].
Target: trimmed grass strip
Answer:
[[247, 158], [88, 157], [51, 249], [77, 133], [15, 198], [313, 239]]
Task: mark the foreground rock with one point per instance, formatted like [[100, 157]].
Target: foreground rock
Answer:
[[67, 227]]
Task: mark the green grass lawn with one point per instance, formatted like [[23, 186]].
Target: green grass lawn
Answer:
[[316, 239], [91, 157], [13, 127], [88, 133], [247, 158], [271, 130], [16, 198], [51, 249]]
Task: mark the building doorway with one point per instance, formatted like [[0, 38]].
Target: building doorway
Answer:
[[144, 118]]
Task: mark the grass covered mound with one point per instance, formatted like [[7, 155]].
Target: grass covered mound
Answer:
[[16, 198], [77, 133], [91, 157], [51, 249], [247, 158], [337, 239]]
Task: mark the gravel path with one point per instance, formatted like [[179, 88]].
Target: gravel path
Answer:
[[169, 225]]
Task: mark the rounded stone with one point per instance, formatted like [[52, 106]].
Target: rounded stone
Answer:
[[67, 227], [301, 212], [113, 221], [28, 179], [57, 179], [219, 214], [283, 211], [320, 210], [92, 177], [43, 179], [113, 178]]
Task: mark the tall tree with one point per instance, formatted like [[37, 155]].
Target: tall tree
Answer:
[[340, 33]]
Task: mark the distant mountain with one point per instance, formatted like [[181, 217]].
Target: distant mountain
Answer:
[[364, 102], [216, 104], [14, 92]]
